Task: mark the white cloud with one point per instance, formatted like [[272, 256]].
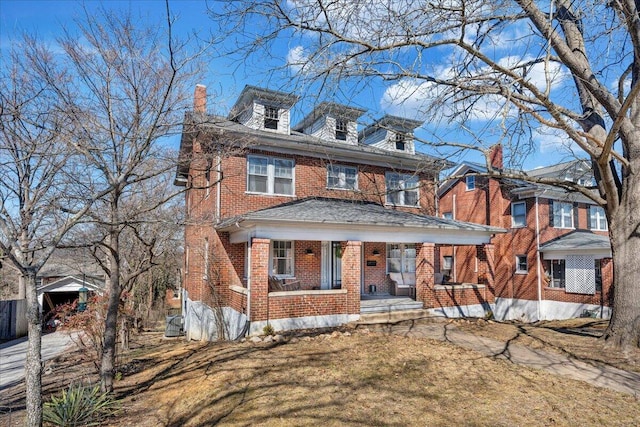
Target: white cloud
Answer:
[[296, 58], [554, 141]]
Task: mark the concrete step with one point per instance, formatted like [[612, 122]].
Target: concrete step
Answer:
[[382, 306], [393, 316]]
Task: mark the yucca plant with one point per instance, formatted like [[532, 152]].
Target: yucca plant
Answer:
[[79, 405]]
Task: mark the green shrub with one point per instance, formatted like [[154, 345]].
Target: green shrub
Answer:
[[268, 330], [79, 405]]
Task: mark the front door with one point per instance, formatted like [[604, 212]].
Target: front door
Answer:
[[331, 265]]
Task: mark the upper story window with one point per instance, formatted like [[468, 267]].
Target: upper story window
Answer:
[[518, 214], [402, 189], [271, 117], [597, 218], [341, 130], [342, 177], [270, 175], [562, 215], [401, 258], [470, 181], [401, 141]]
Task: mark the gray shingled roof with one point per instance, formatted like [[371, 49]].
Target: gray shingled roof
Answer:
[[336, 211], [577, 240]]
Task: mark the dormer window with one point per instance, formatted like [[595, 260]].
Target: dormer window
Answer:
[[401, 140], [270, 117], [341, 130]]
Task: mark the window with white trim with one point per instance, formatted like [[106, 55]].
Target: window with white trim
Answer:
[[401, 258], [402, 189], [342, 177], [518, 214], [597, 218], [522, 266], [562, 215], [447, 263], [400, 141], [271, 117], [282, 258], [341, 130], [270, 175], [470, 182]]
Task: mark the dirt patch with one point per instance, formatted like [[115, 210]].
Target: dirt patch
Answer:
[[578, 338], [355, 377]]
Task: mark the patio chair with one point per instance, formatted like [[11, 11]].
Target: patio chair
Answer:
[[278, 285]]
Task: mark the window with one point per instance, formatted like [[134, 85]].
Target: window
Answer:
[[562, 215], [269, 175], [447, 263], [342, 177], [402, 189], [470, 181], [555, 273], [518, 214], [447, 215], [401, 258], [400, 140], [282, 257], [341, 130], [521, 264], [270, 117], [597, 218]]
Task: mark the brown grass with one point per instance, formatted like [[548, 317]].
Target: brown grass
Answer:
[[361, 379]]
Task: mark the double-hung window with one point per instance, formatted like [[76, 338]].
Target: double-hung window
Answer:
[[597, 218], [282, 257], [401, 141], [522, 266], [562, 215], [342, 177], [271, 117], [518, 214], [341, 130], [269, 175], [401, 258], [470, 182], [402, 189]]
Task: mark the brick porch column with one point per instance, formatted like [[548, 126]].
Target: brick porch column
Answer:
[[259, 267], [351, 275], [425, 269], [486, 269]]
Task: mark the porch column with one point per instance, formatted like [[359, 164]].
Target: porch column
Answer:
[[486, 269], [259, 291], [425, 269], [351, 270]]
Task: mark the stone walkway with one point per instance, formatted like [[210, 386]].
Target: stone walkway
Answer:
[[600, 376]]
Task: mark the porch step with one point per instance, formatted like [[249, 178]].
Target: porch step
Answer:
[[393, 316], [388, 305]]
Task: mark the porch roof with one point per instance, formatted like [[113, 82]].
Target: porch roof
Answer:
[[584, 242], [340, 220]]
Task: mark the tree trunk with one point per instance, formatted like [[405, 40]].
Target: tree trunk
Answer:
[[33, 367], [108, 363], [624, 328]]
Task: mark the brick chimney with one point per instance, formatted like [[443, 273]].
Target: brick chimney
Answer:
[[495, 156], [200, 99]]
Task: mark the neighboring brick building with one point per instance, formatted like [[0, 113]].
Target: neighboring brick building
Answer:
[[555, 260], [318, 207]]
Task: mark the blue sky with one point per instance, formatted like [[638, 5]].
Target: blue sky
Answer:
[[224, 77]]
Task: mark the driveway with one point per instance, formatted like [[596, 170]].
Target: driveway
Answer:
[[13, 355]]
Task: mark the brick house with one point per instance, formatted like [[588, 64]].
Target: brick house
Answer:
[[299, 226], [554, 262]]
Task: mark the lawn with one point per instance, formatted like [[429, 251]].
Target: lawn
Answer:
[[355, 377]]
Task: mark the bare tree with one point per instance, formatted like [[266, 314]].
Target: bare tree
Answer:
[[125, 91], [40, 198], [520, 67]]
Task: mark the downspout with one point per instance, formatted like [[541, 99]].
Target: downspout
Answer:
[[538, 265], [247, 325], [218, 187]]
